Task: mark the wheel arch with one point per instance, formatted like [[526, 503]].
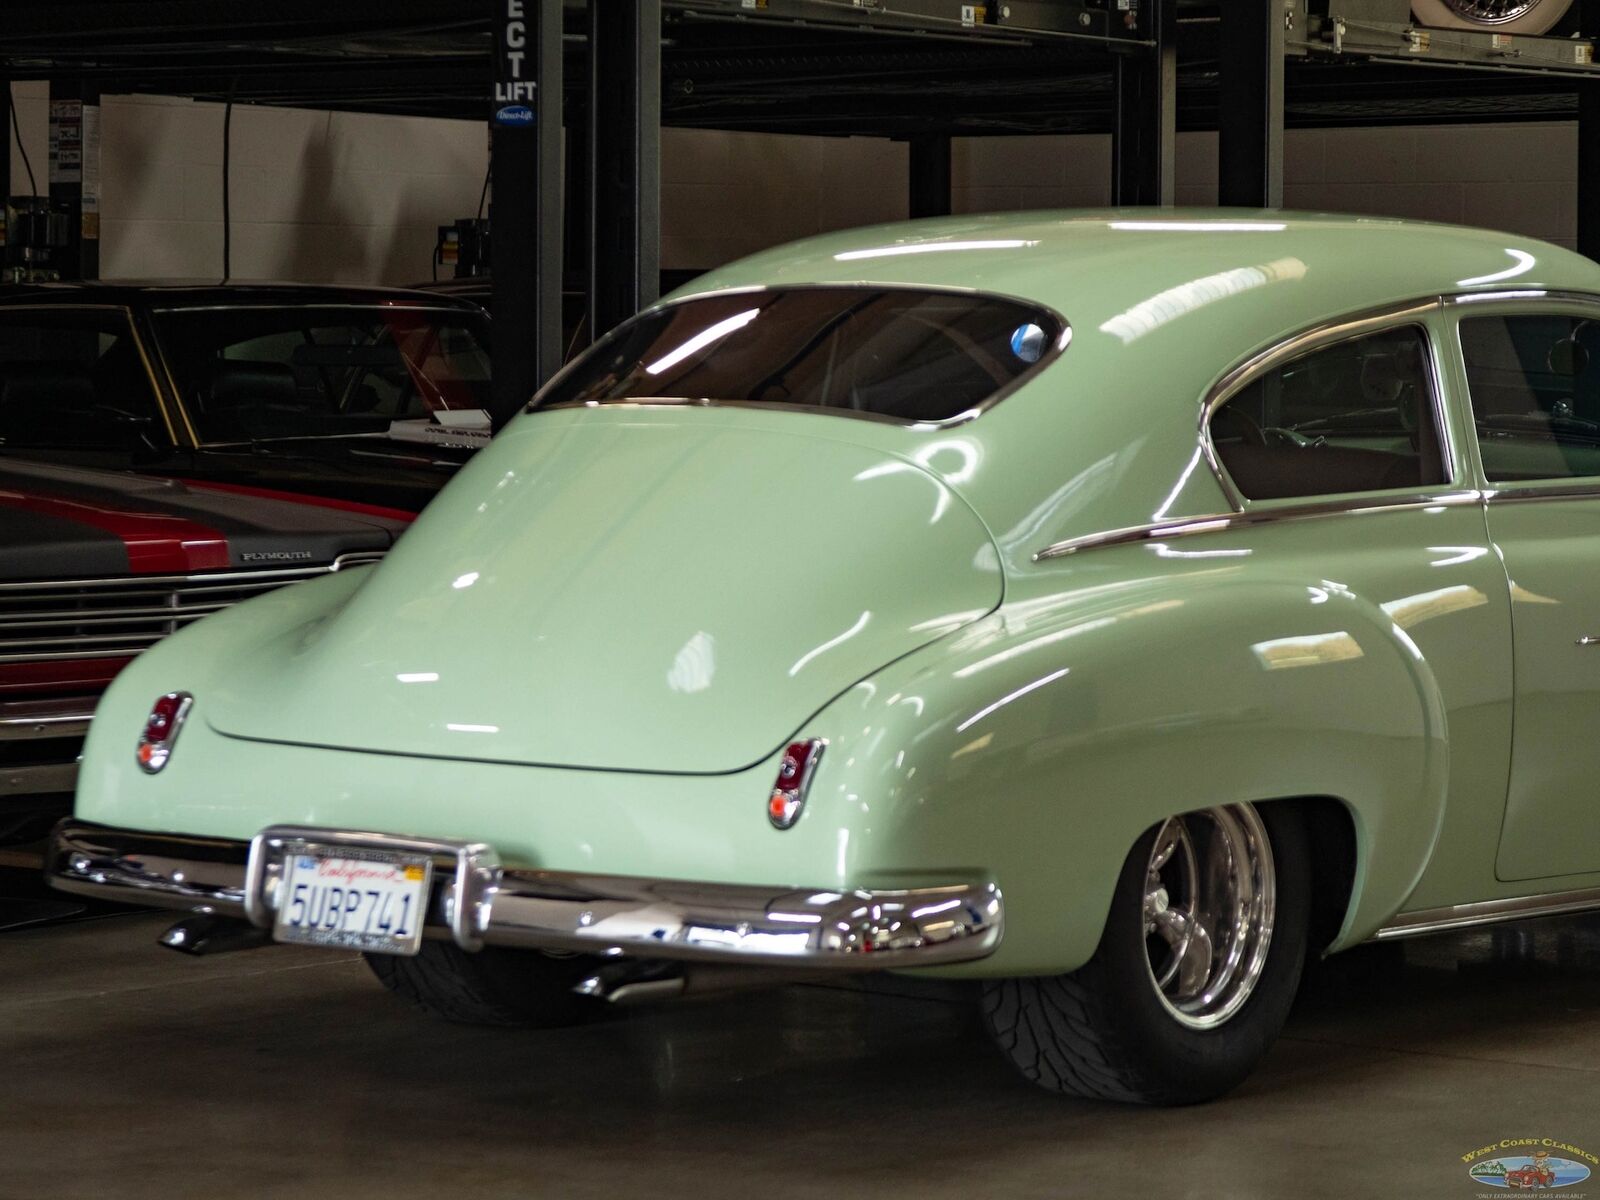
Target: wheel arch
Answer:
[[1038, 750]]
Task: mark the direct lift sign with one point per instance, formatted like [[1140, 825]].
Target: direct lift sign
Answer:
[[514, 96]]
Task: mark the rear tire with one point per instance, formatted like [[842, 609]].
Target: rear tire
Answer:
[[1111, 1031], [1541, 15], [493, 986]]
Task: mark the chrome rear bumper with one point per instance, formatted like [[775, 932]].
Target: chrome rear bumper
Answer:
[[478, 901]]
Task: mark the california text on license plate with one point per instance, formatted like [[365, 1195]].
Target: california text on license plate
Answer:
[[359, 899]]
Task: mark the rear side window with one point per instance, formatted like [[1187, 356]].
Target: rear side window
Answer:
[[1357, 416], [73, 380], [904, 354], [1535, 385]]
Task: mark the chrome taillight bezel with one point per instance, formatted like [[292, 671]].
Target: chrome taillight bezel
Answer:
[[796, 770], [154, 749]]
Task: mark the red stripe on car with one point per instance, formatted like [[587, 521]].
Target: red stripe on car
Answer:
[[157, 543], [354, 506], [80, 675]]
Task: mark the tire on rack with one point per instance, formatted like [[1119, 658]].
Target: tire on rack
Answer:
[[494, 986], [1158, 1015], [1492, 16]]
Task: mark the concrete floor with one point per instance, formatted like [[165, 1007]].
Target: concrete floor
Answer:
[[127, 1070]]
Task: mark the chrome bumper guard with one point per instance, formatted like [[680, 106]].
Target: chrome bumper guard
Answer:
[[478, 901]]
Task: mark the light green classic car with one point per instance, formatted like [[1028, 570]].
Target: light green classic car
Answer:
[[1112, 608]]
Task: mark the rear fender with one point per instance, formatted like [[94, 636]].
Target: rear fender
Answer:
[[1037, 745]]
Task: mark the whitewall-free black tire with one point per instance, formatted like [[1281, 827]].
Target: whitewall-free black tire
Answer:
[[1195, 972]]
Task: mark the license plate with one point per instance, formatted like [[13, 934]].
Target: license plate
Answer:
[[353, 898]]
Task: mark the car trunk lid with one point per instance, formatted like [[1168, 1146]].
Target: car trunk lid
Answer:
[[630, 589]]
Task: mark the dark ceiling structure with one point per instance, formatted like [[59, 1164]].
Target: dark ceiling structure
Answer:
[[793, 66]]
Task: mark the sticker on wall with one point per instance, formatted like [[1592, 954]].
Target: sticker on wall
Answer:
[[1519, 1164], [514, 114]]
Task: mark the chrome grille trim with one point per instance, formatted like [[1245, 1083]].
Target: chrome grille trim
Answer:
[[121, 616]]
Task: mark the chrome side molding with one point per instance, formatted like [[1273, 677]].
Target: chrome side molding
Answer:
[[1218, 522], [1488, 912]]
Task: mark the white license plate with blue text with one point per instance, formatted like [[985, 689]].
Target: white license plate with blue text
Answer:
[[353, 898]]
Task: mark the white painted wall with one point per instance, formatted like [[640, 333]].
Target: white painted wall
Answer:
[[350, 197]]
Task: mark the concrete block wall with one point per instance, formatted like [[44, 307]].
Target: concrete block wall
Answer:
[[350, 197]]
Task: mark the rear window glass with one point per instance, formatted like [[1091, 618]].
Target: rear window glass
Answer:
[[251, 373], [898, 353]]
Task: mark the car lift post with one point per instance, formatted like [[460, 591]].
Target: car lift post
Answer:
[[1588, 232], [624, 159], [1250, 104], [525, 212], [1144, 136], [74, 171], [929, 162]]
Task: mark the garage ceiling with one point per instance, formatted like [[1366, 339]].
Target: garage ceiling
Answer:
[[843, 73]]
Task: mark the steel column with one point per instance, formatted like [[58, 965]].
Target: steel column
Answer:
[[1144, 141], [1250, 103], [929, 175], [75, 173], [1588, 232], [625, 159], [5, 159], [525, 213]]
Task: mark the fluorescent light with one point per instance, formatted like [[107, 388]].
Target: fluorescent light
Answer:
[[935, 248], [1201, 226], [702, 339]]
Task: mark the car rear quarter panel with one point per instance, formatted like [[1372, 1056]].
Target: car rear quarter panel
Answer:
[[1363, 659]]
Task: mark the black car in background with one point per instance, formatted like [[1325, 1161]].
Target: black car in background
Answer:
[[360, 396]]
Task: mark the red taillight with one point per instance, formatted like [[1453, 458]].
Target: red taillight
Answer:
[[795, 772], [161, 729]]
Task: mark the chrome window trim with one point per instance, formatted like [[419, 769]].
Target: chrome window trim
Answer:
[[1242, 375], [1057, 349], [1515, 491], [1369, 504]]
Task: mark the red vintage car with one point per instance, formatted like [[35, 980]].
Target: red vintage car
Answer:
[[96, 566], [1531, 1176]]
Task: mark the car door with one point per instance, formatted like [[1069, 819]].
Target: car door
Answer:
[[76, 388], [1533, 374]]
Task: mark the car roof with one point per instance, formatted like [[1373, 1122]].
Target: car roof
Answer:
[[1150, 265], [187, 293], [1162, 304]]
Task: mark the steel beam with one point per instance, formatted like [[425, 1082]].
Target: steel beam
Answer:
[[525, 214], [625, 159], [75, 174], [929, 175], [1144, 139], [1251, 103], [1588, 232]]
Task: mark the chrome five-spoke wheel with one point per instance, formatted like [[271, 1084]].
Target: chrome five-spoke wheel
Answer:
[[1197, 964], [1210, 895]]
